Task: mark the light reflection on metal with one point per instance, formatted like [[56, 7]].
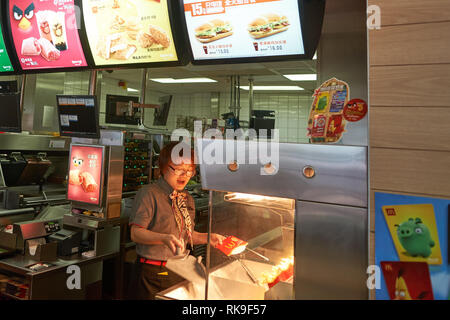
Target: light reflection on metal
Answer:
[[261, 201]]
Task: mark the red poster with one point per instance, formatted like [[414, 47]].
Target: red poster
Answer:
[[45, 34], [355, 110], [407, 280], [85, 173], [335, 127], [319, 126]]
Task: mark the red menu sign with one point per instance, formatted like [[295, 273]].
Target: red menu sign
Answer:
[[85, 173], [45, 34]]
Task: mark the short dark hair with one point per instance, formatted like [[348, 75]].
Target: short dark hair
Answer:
[[165, 156]]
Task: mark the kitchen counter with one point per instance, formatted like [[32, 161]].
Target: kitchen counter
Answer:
[[51, 283]]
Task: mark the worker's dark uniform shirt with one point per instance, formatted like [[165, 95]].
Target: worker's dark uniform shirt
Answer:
[[152, 210]]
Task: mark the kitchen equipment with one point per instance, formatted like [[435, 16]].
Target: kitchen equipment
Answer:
[[68, 241], [302, 200]]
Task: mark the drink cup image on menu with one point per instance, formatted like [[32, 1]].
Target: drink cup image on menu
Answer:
[[268, 24], [43, 21], [58, 30], [213, 30]]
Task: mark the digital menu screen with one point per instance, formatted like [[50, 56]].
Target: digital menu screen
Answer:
[[230, 29], [78, 116], [85, 174], [45, 34], [122, 32], [5, 61]]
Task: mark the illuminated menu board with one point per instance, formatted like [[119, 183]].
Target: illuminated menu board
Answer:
[[122, 32], [243, 29], [5, 62], [45, 34], [85, 174]]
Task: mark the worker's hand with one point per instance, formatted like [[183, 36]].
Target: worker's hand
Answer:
[[172, 242], [216, 239]]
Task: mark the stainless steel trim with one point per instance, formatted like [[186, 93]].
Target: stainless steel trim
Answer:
[[330, 251], [341, 173]]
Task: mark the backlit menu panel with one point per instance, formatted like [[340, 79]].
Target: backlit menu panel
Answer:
[[129, 31], [45, 34], [5, 61], [243, 29]]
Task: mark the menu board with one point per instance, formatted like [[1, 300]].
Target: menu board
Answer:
[[45, 34], [5, 62], [230, 29], [122, 32], [85, 174]]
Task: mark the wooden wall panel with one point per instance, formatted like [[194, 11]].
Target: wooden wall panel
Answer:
[[412, 11], [410, 44], [409, 89], [424, 172], [425, 128], [410, 86]]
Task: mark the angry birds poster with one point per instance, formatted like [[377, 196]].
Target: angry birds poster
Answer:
[[413, 230], [45, 34], [85, 174], [407, 280]]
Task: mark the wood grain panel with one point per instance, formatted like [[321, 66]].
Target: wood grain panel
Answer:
[[413, 128], [425, 172], [412, 11], [410, 44], [412, 86]]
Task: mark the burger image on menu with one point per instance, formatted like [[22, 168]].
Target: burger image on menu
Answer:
[[214, 30], [267, 25]]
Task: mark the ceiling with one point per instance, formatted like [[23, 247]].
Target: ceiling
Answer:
[[265, 74]]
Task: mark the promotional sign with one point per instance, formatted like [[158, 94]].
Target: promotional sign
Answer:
[[5, 61], [85, 174], [243, 29], [355, 110], [407, 280], [129, 31], [412, 241], [326, 121], [414, 232], [45, 34]]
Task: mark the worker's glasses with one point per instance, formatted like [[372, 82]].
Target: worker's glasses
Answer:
[[180, 172]]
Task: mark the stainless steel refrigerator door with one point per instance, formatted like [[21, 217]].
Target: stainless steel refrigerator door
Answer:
[[330, 252], [340, 171]]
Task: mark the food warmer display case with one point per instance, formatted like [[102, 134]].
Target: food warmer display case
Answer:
[[301, 216]]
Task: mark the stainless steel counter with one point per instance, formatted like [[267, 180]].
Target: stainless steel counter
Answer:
[[51, 283]]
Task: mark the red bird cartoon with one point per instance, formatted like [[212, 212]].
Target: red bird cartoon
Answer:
[[24, 16]]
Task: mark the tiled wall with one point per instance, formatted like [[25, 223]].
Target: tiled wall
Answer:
[[291, 111]]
